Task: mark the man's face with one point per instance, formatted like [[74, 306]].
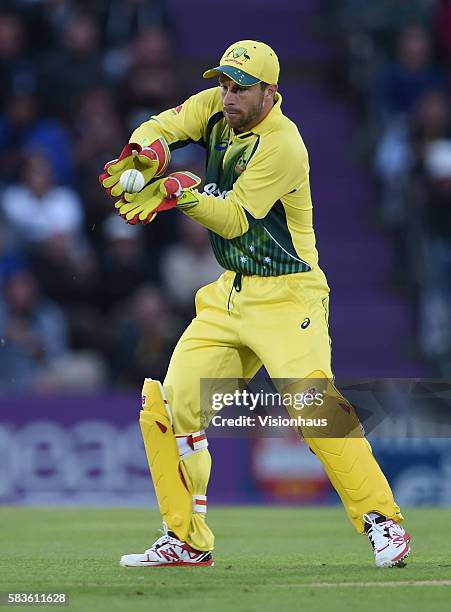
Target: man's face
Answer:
[[242, 105]]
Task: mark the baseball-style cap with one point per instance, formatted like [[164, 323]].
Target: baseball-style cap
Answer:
[[248, 62]]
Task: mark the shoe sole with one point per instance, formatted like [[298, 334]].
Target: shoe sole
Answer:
[[176, 563], [399, 560]]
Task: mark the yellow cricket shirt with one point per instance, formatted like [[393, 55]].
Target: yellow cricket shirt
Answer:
[[256, 199]]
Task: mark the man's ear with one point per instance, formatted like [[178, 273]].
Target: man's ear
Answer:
[[271, 90]]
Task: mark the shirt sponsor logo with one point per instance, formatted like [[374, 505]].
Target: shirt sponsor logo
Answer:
[[213, 189]]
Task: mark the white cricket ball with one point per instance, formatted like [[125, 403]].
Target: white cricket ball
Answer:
[[132, 181]]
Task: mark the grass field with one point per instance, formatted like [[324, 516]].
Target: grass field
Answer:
[[265, 559]]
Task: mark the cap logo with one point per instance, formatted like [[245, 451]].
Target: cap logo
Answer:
[[237, 52]]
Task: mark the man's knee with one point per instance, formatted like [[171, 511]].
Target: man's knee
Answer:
[[183, 398]]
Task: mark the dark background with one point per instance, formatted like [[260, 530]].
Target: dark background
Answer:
[[89, 303]]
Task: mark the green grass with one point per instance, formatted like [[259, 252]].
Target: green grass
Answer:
[[266, 559]]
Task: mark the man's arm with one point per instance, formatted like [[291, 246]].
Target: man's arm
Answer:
[[181, 125], [149, 147], [273, 172]]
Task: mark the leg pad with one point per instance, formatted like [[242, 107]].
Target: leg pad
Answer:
[[174, 500]]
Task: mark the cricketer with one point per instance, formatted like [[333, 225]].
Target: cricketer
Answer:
[[270, 307]]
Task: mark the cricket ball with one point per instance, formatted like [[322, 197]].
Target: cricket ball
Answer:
[[132, 181]]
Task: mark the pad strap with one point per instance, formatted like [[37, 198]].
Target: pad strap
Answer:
[[191, 443], [200, 504]]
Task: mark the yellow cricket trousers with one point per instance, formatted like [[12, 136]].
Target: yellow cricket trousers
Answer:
[[280, 322]]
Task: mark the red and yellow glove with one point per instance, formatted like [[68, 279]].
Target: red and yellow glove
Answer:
[[151, 160], [177, 189]]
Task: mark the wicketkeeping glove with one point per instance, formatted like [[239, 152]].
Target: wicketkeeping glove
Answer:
[[177, 189], [151, 160]]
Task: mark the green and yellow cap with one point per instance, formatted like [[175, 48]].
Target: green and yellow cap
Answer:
[[248, 62]]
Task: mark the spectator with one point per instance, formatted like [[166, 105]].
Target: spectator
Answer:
[[76, 67], [17, 71], [83, 370], [36, 209], [124, 21], [46, 21], [99, 73], [145, 331], [150, 82], [99, 135], [402, 147], [97, 127], [66, 269], [435, 277], [412, 74], [23, 127], [125, 264], [385, 18], [32, 332], [443, 28], [431, 121], [11, 259], [189, 264], [68, 272], [438, 182]]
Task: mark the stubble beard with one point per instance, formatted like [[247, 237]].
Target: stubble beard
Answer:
[[239, 122]]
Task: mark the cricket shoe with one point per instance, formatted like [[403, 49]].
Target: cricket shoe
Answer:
[[168, 551], [390, 541]]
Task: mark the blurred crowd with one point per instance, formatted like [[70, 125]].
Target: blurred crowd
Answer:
[[395, 56], [86, 300]]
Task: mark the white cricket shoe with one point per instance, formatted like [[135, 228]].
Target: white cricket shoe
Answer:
[[390, 541], [168, 550]]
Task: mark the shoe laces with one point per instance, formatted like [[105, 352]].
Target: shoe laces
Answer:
[[377, 533], [162, 540]]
